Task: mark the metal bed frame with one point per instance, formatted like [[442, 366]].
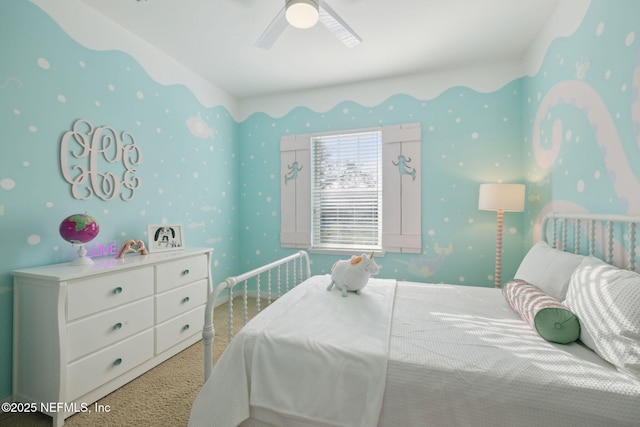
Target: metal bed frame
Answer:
[[599, 235], [594, 234], [296, 270]]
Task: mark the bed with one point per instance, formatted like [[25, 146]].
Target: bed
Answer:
[[416, 354]]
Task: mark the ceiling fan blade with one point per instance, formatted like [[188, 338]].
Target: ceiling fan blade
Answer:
[[273, 31], [337, 26]]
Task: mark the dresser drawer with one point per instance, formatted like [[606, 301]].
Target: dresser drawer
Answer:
[[180, 328], [91, 333], [177, 273], [172, 303], [94, 294], [91, 372]]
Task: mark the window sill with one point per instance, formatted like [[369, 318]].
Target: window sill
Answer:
[[355, 251]]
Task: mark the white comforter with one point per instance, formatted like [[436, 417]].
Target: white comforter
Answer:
[[314, 358], [458, 356]]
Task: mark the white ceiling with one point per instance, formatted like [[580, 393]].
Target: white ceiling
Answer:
[[215, 39]]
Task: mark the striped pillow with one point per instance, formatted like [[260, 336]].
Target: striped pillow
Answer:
[[549, 317]]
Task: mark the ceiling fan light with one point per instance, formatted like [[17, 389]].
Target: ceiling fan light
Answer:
[[302, 13]]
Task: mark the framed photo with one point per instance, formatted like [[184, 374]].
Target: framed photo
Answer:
[[165, 237]]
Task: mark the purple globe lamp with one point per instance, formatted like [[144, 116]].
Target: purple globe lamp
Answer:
[[79, 229]]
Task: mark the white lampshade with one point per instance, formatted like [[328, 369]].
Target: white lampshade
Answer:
[[302, 13], [501, 197]]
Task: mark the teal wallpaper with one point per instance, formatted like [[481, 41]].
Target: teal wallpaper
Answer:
[[570, 132], [467, 138], [582, 118], [187, 174]]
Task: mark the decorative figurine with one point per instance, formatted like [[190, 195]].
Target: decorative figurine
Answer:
[[135, 246]]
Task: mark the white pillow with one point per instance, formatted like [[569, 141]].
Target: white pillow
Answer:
[[606, 299], [548, 269]]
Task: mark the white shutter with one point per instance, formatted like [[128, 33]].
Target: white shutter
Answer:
[[401, 189], [295, 194]]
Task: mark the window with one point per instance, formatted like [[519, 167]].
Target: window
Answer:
[[365, 193], [346, 191]]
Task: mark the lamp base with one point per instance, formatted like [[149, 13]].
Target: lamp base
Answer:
[[498, 272], [82, 259]]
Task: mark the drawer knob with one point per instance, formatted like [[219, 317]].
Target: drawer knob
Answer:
[[185, 299], [185, 327], [117, 362], [117, 290], [185, 272], [117, 326]]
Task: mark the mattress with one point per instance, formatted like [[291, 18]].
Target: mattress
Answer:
[[458, 356]]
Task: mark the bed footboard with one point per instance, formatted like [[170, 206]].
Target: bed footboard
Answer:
[[280, 276]]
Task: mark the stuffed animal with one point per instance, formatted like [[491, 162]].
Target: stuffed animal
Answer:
[[353, 274]]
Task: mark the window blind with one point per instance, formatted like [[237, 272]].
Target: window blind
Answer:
[[347, 191]]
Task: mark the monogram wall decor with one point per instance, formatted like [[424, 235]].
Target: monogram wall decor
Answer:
[[97, 161]]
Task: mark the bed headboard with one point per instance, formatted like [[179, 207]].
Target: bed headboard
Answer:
[[608, 237]]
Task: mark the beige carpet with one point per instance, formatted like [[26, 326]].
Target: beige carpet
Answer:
[[161, 397]]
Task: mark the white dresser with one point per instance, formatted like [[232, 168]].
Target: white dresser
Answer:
[[81, 332]]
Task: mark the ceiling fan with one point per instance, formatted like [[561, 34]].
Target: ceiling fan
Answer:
[[305, 14]]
